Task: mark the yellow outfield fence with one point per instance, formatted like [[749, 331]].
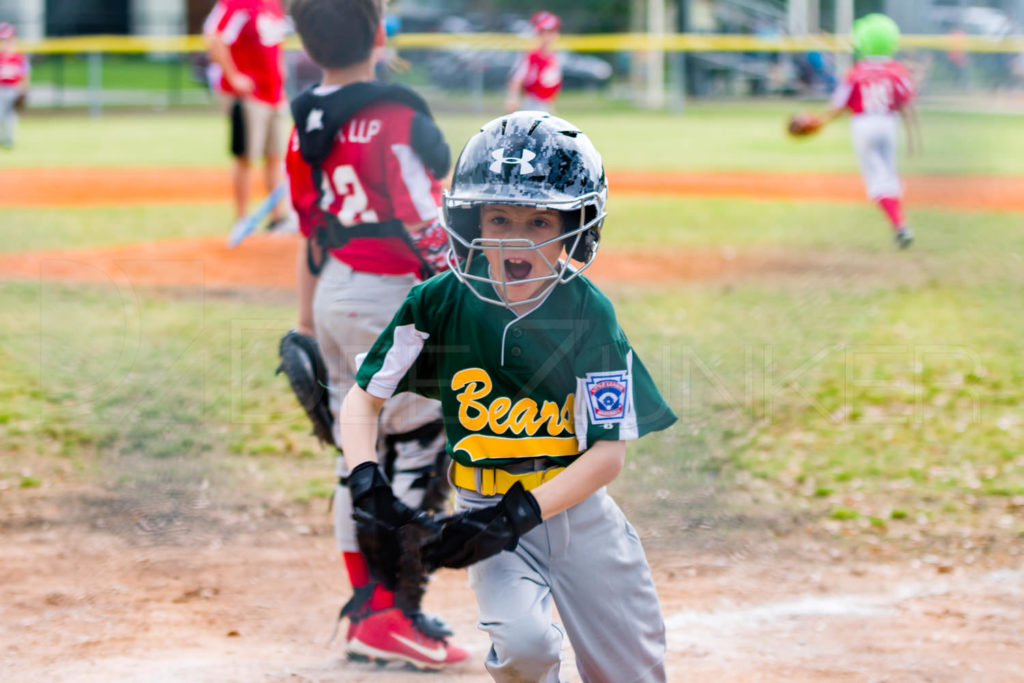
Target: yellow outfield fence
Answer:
[[646, 69], [619, 42]]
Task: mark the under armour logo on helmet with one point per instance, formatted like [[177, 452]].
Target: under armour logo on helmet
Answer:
[[524, 162]]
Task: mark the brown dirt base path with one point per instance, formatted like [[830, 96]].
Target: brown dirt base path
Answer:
[[49, 187], [250, 593], [267, 261]]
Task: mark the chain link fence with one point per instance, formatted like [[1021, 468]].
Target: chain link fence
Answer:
[[102, 72]]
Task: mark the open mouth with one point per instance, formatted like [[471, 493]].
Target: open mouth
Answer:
[[517, 269]]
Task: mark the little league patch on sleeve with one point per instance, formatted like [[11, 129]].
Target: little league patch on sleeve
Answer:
[[607, 396]]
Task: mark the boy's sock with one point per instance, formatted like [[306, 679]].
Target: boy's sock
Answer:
[[359, 576], [894, 210], [358, 572]]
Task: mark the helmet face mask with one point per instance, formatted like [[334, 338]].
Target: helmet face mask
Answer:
[[533, 160]]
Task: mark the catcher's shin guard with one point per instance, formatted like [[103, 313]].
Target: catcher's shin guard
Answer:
[[417, 465]]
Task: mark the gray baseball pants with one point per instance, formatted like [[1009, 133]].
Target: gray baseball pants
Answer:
[[589, 563], [8, 116]]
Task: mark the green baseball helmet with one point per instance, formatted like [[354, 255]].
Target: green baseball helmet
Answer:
[[875, 35]]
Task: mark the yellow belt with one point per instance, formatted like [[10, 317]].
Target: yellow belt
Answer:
[[491, 481]]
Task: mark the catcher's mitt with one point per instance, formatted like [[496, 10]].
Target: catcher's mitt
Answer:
[[804, 124], [19, 102], [307, 373]]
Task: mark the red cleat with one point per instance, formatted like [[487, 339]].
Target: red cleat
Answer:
[[389, 635]]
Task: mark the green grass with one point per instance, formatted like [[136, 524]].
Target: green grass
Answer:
[[118, 72], [108, 226], [849, 385], [649, 221], [885, 389], [143, 386], [842, 404], [709, 136]]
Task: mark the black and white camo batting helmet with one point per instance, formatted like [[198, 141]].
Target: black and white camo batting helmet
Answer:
[[528, 158]]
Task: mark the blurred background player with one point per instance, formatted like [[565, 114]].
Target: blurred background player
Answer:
[[537, 76], [244, 39], [14, 70], [874, 91], [364, 165]]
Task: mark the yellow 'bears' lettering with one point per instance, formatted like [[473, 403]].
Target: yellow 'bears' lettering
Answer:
[[501, 415], [521, 417], [549, 414], [499, 407], [479, 386], [567, 411]]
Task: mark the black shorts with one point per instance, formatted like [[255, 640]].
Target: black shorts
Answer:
[[237, 129]]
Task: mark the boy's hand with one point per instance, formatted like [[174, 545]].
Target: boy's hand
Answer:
[[378, 514], [470, 536]]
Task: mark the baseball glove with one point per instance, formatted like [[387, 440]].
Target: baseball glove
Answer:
[[467, 537], [302, 363], [19, 102], [804, 124]]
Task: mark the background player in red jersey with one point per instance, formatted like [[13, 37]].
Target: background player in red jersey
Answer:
[[244, 39], [364, 166], [537, 76], [874, 91], [14, 70]]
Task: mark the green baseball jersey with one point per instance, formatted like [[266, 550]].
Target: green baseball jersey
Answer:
[[543, 384]]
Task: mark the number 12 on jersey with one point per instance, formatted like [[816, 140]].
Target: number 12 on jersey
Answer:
[[345, 183]]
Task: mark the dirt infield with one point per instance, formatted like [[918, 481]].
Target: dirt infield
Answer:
[[48, 187], [93, 592], [267, 262]]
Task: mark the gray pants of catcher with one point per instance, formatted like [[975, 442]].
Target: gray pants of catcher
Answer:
[[8, 116], [350, 309], [587, 561]]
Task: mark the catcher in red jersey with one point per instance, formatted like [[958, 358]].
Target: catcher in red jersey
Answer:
[[874, 91], [537, 76], [364, 164]]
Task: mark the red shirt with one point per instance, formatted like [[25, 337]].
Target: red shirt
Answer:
[[540, 73], [253, 30], [875, 87], [372, 174], [13, 67]]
